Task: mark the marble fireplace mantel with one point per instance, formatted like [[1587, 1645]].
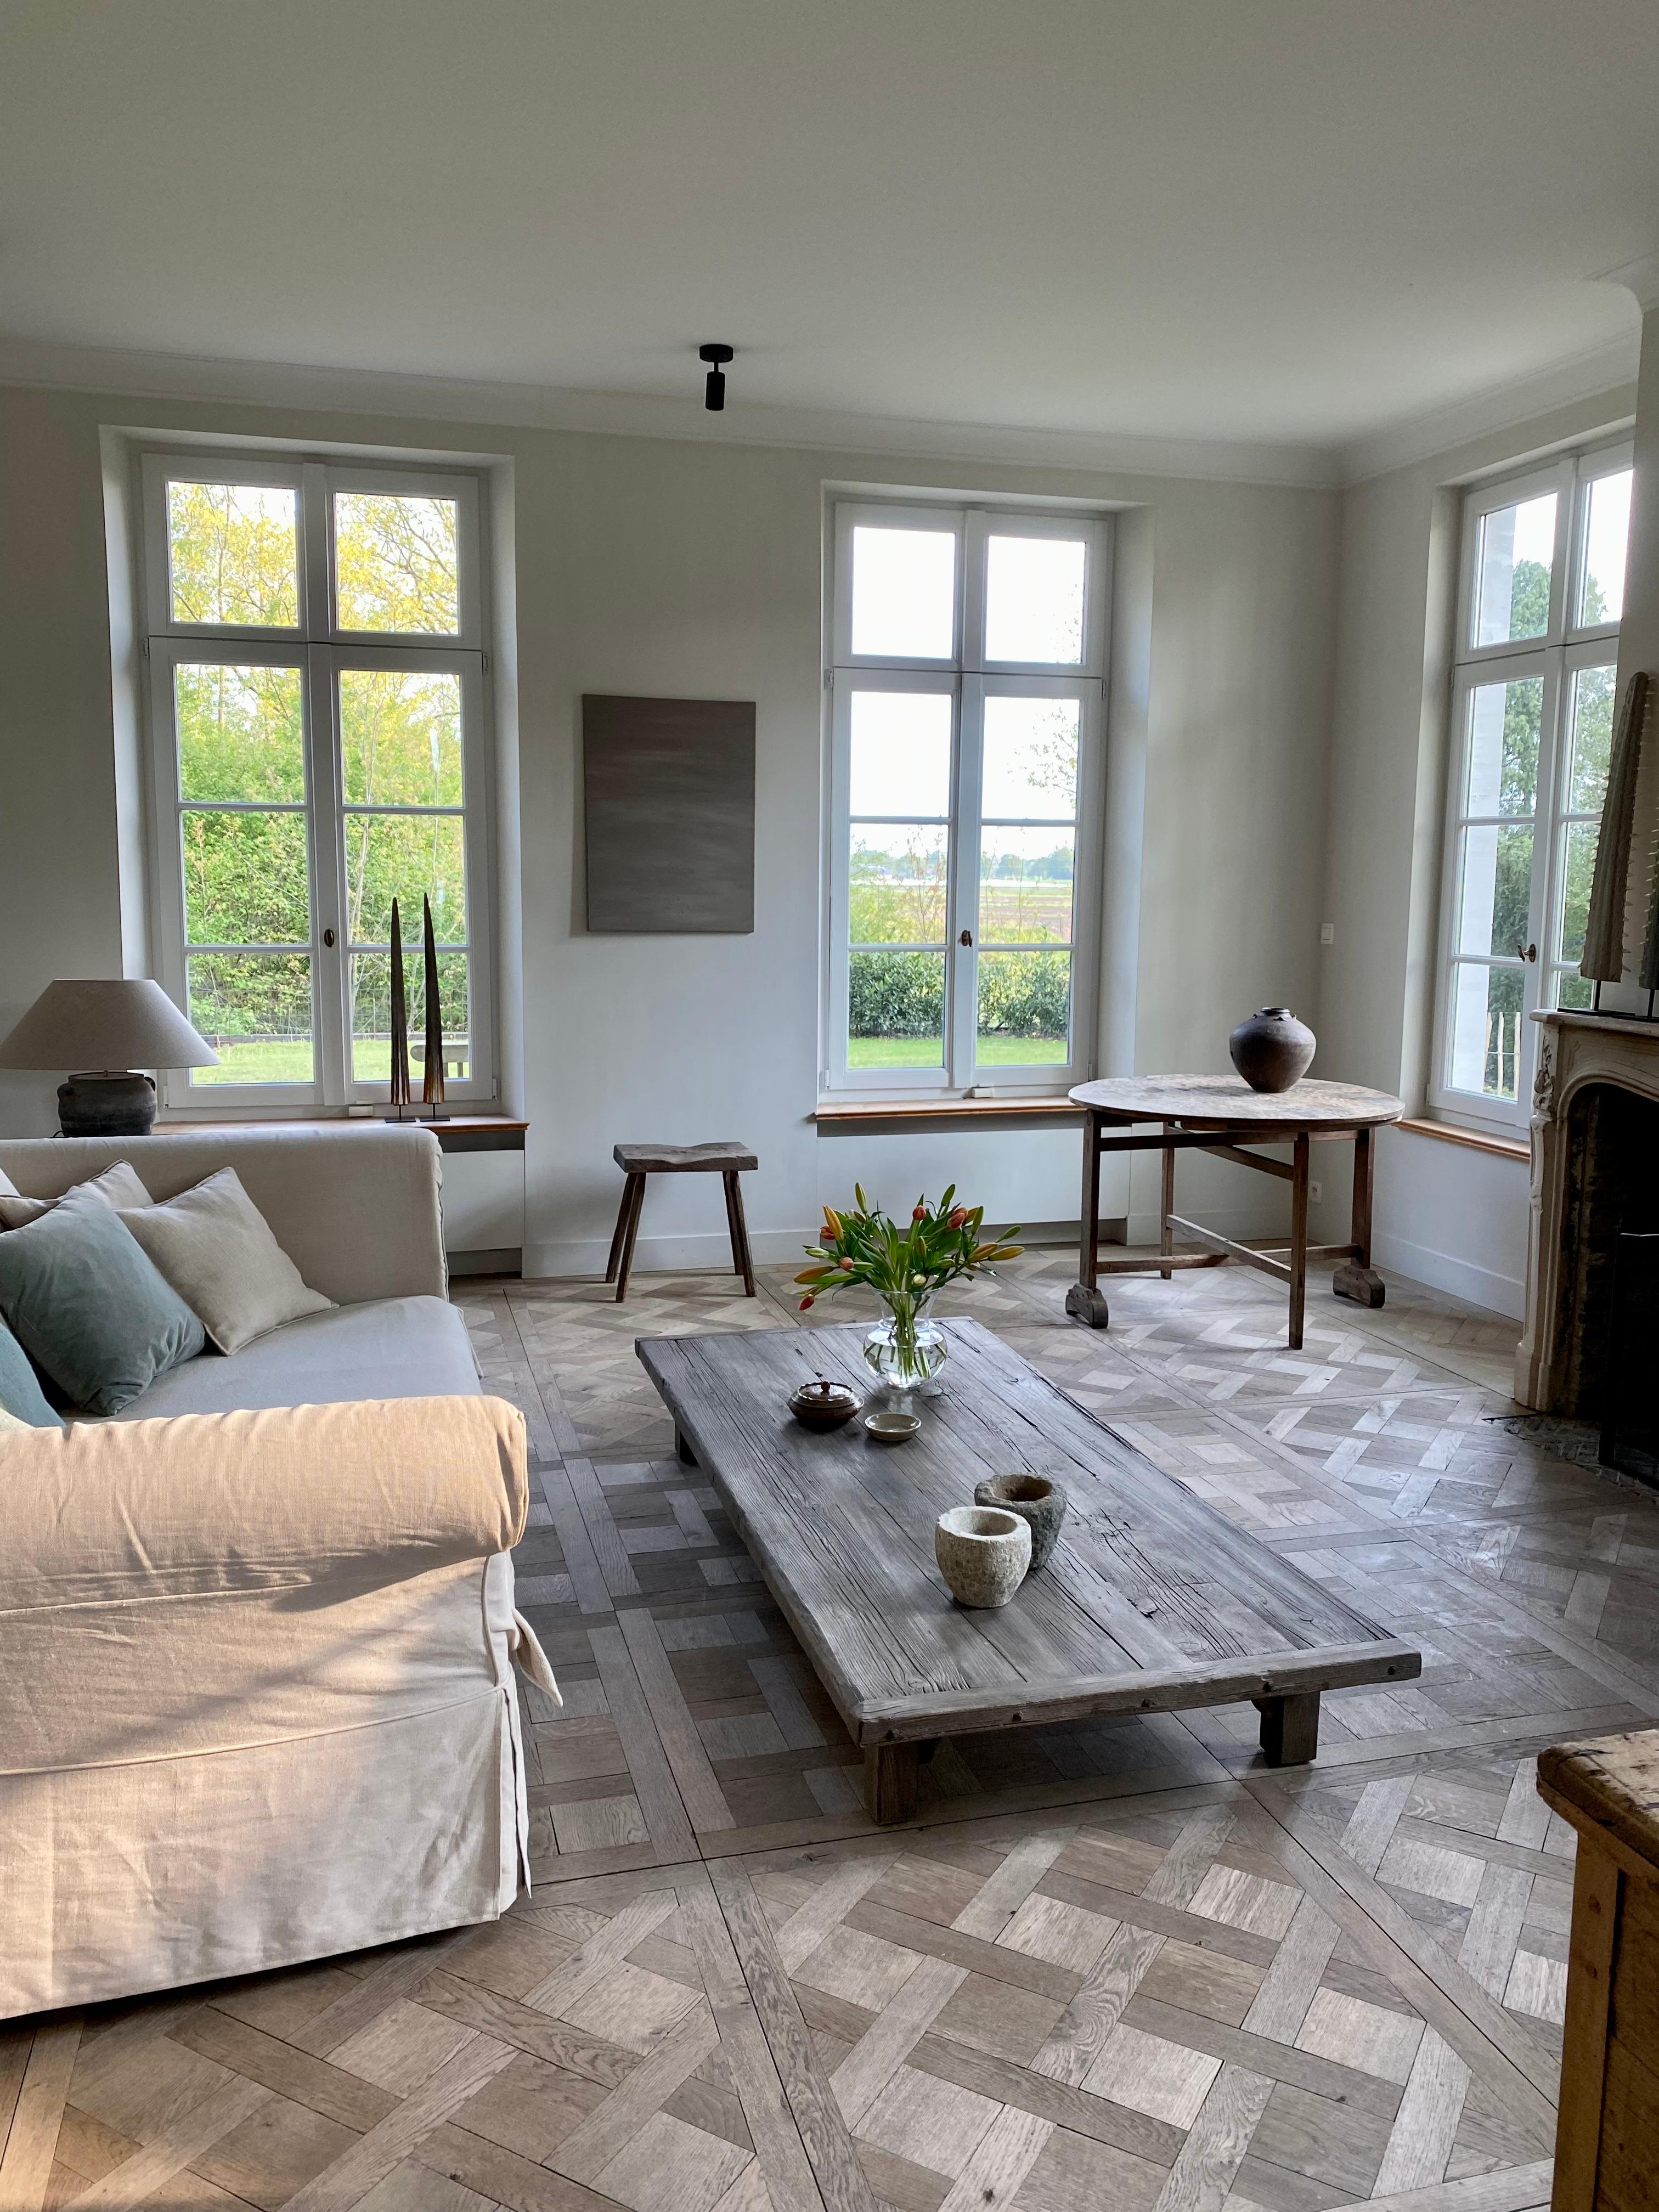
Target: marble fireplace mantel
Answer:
[[1575, 1051]]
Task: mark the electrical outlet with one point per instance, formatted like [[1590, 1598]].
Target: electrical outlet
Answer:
[[1316, 1192], [1328, 932]]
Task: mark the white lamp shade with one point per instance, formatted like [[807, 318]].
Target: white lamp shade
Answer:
[[78, 1028]]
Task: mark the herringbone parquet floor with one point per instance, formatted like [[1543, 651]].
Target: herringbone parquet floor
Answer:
[[1112, 1965]]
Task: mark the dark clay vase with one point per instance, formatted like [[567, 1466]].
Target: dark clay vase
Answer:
[[1271, 1051]]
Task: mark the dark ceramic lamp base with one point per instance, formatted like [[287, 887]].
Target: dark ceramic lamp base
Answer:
[[109, 1105]]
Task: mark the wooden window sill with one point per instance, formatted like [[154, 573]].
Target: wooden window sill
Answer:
[[1507, 1148], [841, 1113]]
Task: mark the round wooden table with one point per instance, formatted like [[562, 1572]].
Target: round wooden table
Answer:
[[1220, 1114]]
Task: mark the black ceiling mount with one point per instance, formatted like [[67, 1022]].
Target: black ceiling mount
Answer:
[[714, 392]]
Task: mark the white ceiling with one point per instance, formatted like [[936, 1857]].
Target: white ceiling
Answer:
[[1289, 221]]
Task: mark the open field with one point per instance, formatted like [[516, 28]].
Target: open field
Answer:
[[993, 1052]]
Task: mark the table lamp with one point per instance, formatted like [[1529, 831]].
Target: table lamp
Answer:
[[106, 1026]]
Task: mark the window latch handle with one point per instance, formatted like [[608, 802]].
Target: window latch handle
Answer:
[[966, 937], [328, 938], [1526, 951]]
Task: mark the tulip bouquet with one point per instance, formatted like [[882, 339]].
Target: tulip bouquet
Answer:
[[905, 1266]]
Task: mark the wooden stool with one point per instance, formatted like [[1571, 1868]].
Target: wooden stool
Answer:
[[638, 1161]]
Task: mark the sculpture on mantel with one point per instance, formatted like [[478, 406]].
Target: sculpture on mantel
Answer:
[[431, 1108], [1604, 934]]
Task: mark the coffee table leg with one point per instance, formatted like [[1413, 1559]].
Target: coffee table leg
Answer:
[[1356, 1278], [1084, 1301], [683, 1451], [889, 1781], [1290, 1728]]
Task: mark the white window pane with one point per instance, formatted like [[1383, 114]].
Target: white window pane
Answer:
[[1592, 740], [254, 1009], [1607, 534], [371, 1015], [396, 565], [1494, 876], [1577, 867], [1034, 599], [241, 732], [1026, 881], [895, 1010], [1485, 1031], [1024, 1009], [232, 554], [897, 894], [1512, 571], [901, 760], [904, 592], [1504, 721], [1031, 759]]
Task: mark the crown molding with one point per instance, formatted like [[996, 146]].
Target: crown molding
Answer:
[[1609, 371], [641, 415]]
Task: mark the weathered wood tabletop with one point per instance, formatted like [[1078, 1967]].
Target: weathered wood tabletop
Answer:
[[1152, 1601]]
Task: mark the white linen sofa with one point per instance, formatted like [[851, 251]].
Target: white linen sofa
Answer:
[[257, 1634]]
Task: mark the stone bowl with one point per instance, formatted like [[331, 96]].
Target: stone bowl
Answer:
[[983, 1553], [1038, 1502], [892, 1428]]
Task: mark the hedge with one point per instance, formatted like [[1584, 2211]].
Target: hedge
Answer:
[[902, 994]]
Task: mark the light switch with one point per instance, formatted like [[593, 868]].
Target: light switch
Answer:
[[1328, 932]]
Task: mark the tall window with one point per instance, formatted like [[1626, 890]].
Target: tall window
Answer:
[[968, 659], [317, 737], [1542, 587]]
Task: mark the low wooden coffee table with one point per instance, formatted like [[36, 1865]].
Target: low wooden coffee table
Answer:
[[1151, 1602]]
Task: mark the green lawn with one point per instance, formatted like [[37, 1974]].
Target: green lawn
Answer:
[[287, 1059], [929, 1052]]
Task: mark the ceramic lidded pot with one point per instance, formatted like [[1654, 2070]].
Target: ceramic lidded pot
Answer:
[[1271, 1051], [824, 1405], [983, 1553], [1038, 1502]]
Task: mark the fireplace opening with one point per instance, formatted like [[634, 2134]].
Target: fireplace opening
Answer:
[[1612, 1191], [1630, 1396]]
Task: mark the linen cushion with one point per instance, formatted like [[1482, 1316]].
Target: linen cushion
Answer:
[[89, 1306], [22, 1401], [119, 1186], [215, 1248], [382, 1348]]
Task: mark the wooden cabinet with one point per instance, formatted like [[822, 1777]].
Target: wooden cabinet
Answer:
[[1607, 2149]]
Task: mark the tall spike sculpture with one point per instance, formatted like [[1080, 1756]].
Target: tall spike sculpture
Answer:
[[399, 1020], [432, 1083]]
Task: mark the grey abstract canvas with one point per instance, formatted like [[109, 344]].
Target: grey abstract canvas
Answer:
[[670, 789]]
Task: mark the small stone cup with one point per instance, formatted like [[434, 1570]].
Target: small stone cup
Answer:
[[1038, 1502], [982, 1553]]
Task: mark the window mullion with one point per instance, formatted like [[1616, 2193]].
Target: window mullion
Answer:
[[962, 961], [330, 979]]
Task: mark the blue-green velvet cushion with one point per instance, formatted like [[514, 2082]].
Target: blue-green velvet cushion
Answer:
[[21, 1393], [90, 1307]]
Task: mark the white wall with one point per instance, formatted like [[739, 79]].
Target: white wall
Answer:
[[1445, 1214], [660, 565]]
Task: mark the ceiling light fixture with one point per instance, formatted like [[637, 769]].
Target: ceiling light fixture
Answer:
[[714, 392]]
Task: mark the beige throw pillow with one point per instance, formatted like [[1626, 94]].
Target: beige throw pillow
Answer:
[[215, 1248], [118, 1187]]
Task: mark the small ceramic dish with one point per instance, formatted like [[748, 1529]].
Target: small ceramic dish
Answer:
[[824, 1405], [892, 1428]]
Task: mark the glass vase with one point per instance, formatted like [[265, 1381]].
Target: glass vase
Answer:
[[906, 1350]]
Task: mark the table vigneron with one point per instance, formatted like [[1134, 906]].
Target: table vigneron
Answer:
[[1221, 1115]]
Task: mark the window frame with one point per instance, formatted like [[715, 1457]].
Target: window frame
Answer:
[[968, 677], [322, 652], [1555, 657]]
